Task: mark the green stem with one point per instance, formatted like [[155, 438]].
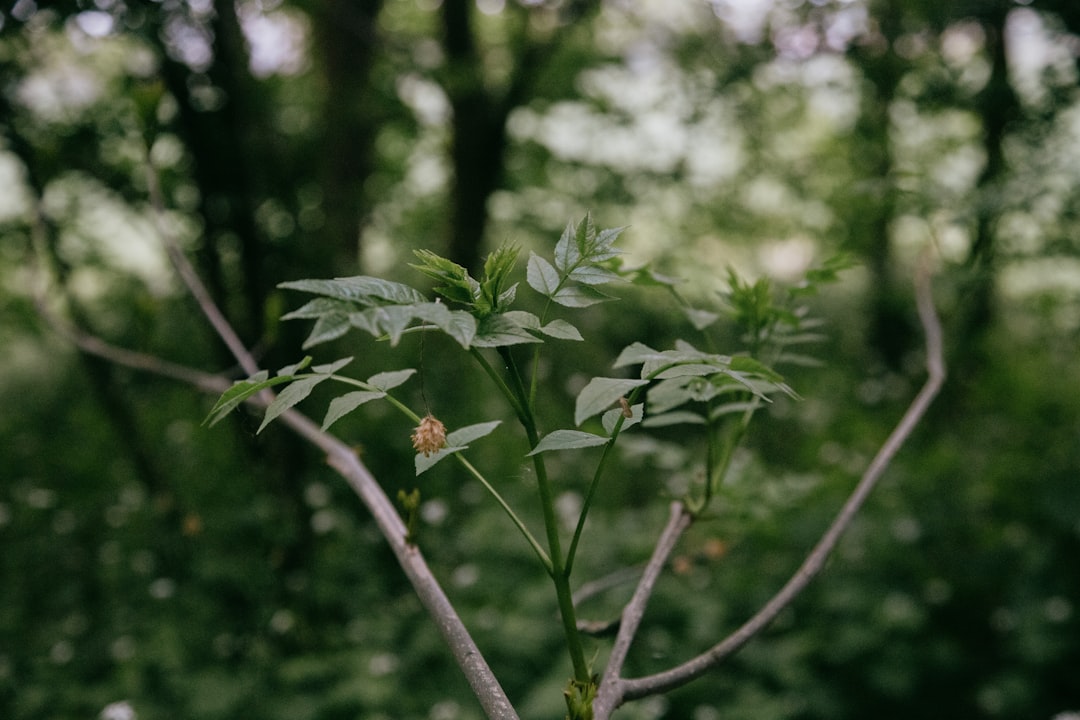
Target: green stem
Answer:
[[515, 403], [591, 492], [529, 537], [559, 577], [537, 548]]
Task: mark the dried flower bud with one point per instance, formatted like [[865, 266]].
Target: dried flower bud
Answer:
[[429, 436]]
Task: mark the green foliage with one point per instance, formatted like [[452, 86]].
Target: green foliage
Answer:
[[670, 382]]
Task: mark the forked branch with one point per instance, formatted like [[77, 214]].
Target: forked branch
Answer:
[[614, 691], [342, 458]]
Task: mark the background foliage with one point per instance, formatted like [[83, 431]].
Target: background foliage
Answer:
[[214, 574]]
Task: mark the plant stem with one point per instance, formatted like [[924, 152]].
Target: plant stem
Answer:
[[537, 548], [547, 505], [404, 409]]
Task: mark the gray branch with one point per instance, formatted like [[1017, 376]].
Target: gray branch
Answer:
[[615, 691], [339, 456]]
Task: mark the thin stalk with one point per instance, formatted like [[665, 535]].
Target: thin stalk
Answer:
[[537, 548], [591, 492], [563, 594], [587, 503], [515, 402], [529, 537]]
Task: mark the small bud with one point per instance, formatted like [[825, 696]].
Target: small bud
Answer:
[[429, 436]]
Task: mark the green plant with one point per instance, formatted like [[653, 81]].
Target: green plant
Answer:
[[716, 393]]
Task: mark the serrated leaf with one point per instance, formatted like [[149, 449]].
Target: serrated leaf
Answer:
[[567, 440], [240, 391], [567, 255], [579, 296], [393, 319], [389, 380], [669, 394], [460, 286], [676, 417], [467, 434], [297, 391], [345, 404], [562, 330], [523, 319], [461, 326], [599, 394], [295, 367], [331, 368], [636, 353], [328, 327], [317, 307], [499, 331], [541, 276], [689, 370], [611, 417], [361, 289], [424, 463], [593, 275]]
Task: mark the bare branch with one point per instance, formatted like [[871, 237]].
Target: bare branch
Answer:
[[343, 459], [610, 685], [191, 279], [348, 465], [339, 456], [615, 692]]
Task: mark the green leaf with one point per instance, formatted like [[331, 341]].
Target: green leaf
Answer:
[[567, 254], [239, 393], [389, 380], [331, 368], [459, 325], [497, 268], [424, 463], [392, 321], [295, 367], [747, 364], [318, 307], [328, 327], [676, 417], [593, 275], [599, 394], [689, 370], [567, 440], [360, 289], [297, 391], [467, 434], [611, 417], [579, 296], [345, 404], [636, 353], [460, 286], [498, 331], [541, 276], [522, 319], [561, 330], [456, 442]]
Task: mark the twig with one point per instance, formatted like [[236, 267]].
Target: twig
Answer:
[[342, 458], [191, 278], [614, 691], [678, 521]]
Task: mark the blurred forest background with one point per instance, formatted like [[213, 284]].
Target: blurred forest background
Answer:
[[215, 574]]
